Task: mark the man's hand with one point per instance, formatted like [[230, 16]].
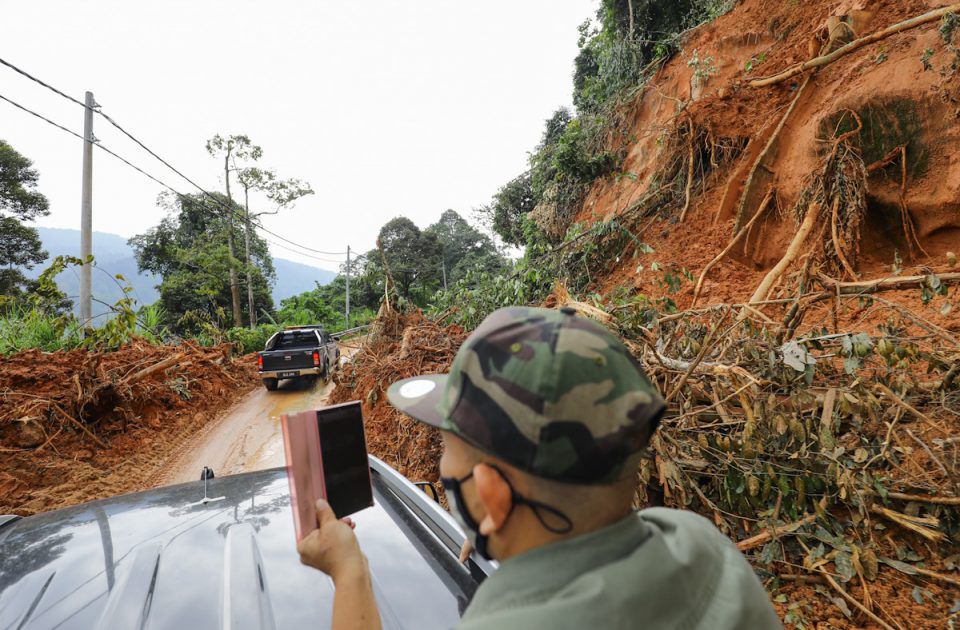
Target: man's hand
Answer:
[[332, 548], [465, 551]]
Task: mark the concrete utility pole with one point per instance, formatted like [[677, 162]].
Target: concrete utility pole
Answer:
[[347, 323], [86, 214]]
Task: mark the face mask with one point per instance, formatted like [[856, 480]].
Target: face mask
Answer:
[[458, 507]]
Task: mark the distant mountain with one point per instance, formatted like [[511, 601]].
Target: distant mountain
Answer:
[[113, 256], [294, 278]]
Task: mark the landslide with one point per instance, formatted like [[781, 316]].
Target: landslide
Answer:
[[81, 425], [700, 115], [400, 345], [818, 426]]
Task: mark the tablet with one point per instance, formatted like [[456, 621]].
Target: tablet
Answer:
[[326, 457]]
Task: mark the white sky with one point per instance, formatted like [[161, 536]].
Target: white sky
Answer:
[[386, 107]]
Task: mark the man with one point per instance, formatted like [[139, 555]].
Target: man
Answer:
[[543, 416]]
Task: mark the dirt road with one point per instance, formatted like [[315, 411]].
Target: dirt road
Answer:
[[248, 436]]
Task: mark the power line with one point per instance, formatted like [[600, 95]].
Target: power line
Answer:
[[46, 85], [151, 177], [99, 111], [43, 118], [201, 189]]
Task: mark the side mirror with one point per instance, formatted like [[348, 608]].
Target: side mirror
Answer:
[[428, 489]]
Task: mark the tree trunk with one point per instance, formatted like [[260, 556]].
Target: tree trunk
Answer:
[[234, 280], [246, 243]]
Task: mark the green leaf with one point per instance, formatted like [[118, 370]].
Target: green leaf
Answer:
[[902, 567], [844, 564]]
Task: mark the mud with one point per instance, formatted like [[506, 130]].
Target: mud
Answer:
[[248, 437], [77, 426]]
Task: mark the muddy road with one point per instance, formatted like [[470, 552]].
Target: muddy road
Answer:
[[247, 436]]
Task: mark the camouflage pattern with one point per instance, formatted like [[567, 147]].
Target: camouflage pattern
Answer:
[[549, 392]]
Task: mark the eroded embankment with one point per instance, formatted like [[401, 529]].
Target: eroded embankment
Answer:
[[80, 425]]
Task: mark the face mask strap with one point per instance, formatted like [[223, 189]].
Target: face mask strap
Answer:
[[536, 506]]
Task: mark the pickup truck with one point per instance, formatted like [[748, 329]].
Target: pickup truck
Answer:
[[297, 352], [221, 553]]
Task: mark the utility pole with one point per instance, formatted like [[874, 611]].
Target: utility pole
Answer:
[[444, 268], [86, 214], [347, 323], [231, 250], [246, 244]]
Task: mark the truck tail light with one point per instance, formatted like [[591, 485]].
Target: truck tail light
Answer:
[[260, 362], [316, 359]]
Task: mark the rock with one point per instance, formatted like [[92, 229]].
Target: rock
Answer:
[[30, 434]]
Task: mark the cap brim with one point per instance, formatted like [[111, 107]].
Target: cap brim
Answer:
[[419, 397]]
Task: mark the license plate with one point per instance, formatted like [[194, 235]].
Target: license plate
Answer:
[[288, 374]]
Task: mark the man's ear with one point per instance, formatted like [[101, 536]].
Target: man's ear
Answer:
[[495, 495]]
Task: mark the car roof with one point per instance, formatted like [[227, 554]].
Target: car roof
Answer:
[[196, 556]]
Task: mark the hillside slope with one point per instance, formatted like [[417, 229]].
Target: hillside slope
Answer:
[[813, 383], [904, 89]]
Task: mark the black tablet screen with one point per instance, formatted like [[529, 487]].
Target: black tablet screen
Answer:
[[343, 447]]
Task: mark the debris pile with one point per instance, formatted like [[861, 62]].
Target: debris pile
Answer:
[[401, 346], [80, 425]]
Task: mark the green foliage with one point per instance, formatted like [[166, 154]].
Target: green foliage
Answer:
[[20, 246], [311, 307], [18, 182], [152, 323], [188, 250], [510, 205], [573, 158], [40, 321], [575, 262], [247, 340], [463, 247], [24, 328], [614, 61], [613, 57]]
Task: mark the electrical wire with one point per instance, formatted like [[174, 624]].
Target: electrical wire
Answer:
[[201, 189], [33, 78], [98, 110], [151, 177], [43, 118]]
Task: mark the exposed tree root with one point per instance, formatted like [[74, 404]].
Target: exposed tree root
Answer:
[[793, 251], [771, 143], [690, 164], [835, 238], [856, 44]]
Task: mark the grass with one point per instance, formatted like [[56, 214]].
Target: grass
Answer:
[[24, 329]]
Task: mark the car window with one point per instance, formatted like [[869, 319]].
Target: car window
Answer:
[[296, 339]]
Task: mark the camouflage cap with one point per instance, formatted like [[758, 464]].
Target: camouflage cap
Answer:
[[554, 394]]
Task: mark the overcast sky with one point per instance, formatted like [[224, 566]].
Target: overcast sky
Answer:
[[387, 107]]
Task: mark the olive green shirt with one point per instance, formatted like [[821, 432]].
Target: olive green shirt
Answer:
[[657, 568]]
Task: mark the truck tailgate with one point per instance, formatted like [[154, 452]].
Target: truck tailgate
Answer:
[[287, 359]]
